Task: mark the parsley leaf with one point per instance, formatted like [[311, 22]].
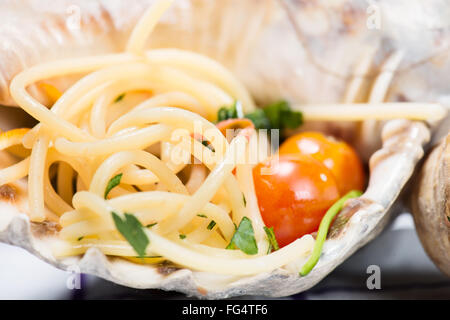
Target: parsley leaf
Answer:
[[208, 145], [119, 98], [244, 238], [131, 229], [151, 225], [259, 119], [281, 116], [182, 236], [278, 115], [273, 244], [226, 113], [114, 182], [211, 225]]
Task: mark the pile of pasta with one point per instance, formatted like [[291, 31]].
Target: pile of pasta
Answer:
[[107, 143]]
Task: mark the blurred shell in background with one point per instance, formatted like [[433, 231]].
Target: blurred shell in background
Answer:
[[431, 205]]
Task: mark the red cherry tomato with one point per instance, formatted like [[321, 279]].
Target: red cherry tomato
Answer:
[[338, 156], [295, 196]]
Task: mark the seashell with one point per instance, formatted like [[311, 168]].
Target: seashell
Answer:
[[310, 65], [359, 222], [275, 56], [430, 202]]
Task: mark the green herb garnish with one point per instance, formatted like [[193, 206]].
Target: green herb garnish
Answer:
[[211, 225], [273, 244], [259, 119], [244, 238], [278, 115], [281, 116], [119, 98], [323, 230], [114, 182], [245, 201], [202, 215], [80, 238], [182, 236], [151, 225], [132, 230], [208, 145], [226, 113]]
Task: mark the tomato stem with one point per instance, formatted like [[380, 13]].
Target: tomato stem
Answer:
[[323, 230]]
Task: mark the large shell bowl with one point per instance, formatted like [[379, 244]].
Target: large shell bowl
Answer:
[[303, 51]]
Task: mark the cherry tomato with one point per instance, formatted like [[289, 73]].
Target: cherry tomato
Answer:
[[294, 193], [338, 156]]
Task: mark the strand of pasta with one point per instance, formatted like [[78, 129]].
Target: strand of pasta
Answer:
[[207, 190], [208, 263], [375, 111], [135, 139], [118, 160], [207, 68], [145, 26], [36, 178], [54, 69], [178, 118], [173, 99], [64, 179], [244, 176], [15, 172], [18, 170], [138, 203], [211, 263]]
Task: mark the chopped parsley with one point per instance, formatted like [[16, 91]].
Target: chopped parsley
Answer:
[[151, 225], [208, 145], [244, 238], [229, 112], [182, 236], [132, 230], [211, 225], [281, 116], [273, 244], [278, 115], [114, 182], [119, 98]]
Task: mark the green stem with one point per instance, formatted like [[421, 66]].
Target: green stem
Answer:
[[323, 230]]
